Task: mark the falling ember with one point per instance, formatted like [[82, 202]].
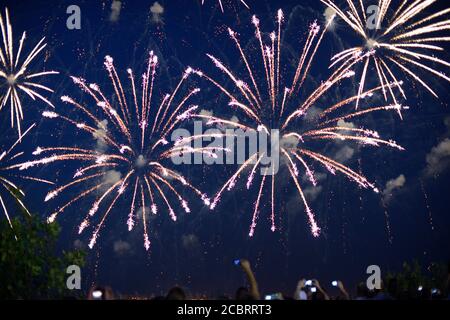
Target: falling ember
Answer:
[[134, 167], [7, 176], [427, 204], [403, 40], [16, 76], [388, 224], [274, 103]]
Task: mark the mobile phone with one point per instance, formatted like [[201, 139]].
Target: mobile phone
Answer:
[[275, 296], [419, 288], [334, 283], [313, 289], [237, 262], [308, 282]]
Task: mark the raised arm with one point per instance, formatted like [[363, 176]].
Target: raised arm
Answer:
[[317, 285], [341, 287], [254, 291]]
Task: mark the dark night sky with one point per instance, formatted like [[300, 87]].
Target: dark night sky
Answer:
[[197, 251]]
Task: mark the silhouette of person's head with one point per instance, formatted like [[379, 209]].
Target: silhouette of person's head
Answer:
[[362, 291], [392, 287], [242, 293], [176, 293], [317, 296]]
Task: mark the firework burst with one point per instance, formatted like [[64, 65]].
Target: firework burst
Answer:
[[135, 149], [15, 76], [8, 175], [270, 104], [401, 38], [221, 4]]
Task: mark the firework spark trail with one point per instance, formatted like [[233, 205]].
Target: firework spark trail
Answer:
[[230, 183], [256, 210], [396, 107], [209, 151], [344, 102], [139, 164], [387, 222], [285, 110], [7, 175], [400, 41], [15, 74], [186, 140], [312, 221], [340, 74], [427, 204], [272, 201], [221, 4]]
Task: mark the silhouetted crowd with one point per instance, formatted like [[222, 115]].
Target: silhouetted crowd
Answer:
[[306, 290]]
